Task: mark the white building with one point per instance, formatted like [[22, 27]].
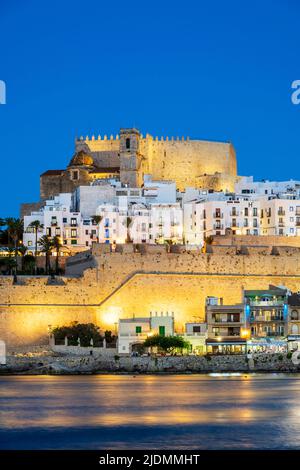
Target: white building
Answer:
[[196, 335], [57, 219], [207, 218], [246, 186], [134, 331]]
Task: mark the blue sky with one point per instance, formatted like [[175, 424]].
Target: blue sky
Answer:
[[218, 70]]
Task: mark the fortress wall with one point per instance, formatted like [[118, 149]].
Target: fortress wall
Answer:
[[164, 282], [262, 240], [185, 161], [30, 325], [183, 295]]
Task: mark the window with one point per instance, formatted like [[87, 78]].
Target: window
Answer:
[[246, 211], [291, 219], [128, 143], [65, 220], [73, 242], [138, 329], [86, 243], [291, 230], [196, 329], [162, 330], [57, 231], [75, 175], [86, 232], [29, 243], [73, 222], [291, 209], [48, 232], [254, 211], [73, 233]]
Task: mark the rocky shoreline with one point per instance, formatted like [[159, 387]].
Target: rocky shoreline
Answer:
[[52, 364]]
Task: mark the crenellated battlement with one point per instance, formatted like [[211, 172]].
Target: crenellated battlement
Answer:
[[147, 137], [99, 137]]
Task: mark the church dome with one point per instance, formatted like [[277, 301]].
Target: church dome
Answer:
[[81, 158]]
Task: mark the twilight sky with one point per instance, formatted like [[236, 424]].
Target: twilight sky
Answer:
[[219, 70]]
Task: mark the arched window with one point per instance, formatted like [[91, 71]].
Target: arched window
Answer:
[[294, 315]]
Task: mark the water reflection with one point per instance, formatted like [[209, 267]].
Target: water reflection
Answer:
[[207, 411]]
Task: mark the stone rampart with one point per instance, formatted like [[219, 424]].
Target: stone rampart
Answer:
[[123, 284]]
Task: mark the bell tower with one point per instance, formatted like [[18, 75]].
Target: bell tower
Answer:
[[130, 158]]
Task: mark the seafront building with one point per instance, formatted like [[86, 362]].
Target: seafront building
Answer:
[[226, 329]]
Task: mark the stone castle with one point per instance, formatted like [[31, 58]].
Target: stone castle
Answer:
[[128, 156], [102, 286]]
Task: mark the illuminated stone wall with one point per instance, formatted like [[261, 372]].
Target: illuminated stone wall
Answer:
[[191, 162], [135, 283], [196, 163]]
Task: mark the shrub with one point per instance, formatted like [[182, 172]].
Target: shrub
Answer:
[[289, 355], [84, 331], [166, 343], [280, 357]]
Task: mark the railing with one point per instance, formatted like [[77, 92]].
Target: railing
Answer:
[[218, 215], [263, 318], [226, 321], [262, 303], [281, 212]]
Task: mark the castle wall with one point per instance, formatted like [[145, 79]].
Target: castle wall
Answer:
[[188, 162], [137, 284], [256, 240], [185, 161]]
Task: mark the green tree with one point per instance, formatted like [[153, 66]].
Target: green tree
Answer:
[[83, 331], [46, 245], [15, 228], [166, 343], [37, 226], [56, 244], [97, 219], [128, 223], [22, 249], [29, 264]]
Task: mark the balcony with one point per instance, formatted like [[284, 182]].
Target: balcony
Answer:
[[227, 320], [281, 212], [234, 224], [218, 215], [218, 227], [234, 213], [262, 318], [266, 303]]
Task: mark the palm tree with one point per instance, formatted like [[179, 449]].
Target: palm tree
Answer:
[[36, 225], [97, 219], [22, 250], [56, 244], [10, 261], [46, 245], [15, 228]]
